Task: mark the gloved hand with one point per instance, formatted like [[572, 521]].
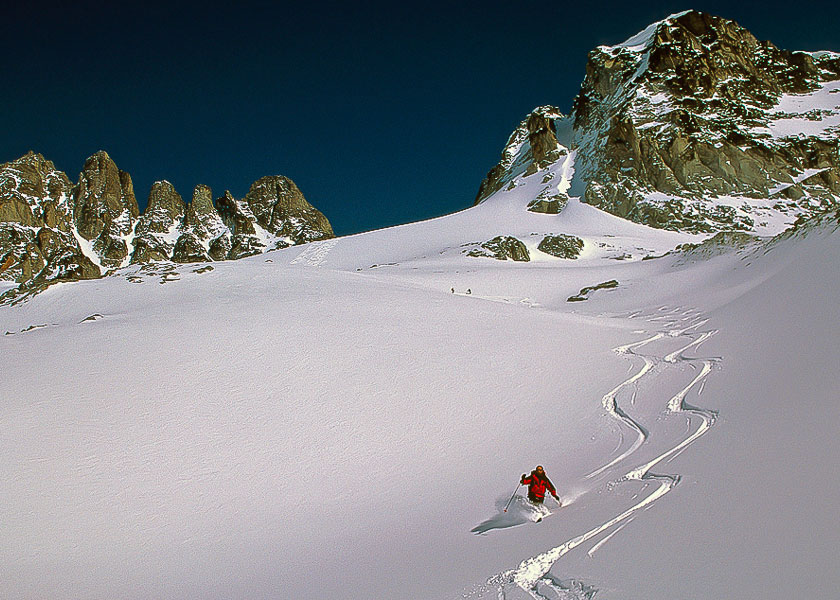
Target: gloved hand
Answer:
[[555, 497], [522, 479]]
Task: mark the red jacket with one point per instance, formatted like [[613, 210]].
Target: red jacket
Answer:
[[538, 485]]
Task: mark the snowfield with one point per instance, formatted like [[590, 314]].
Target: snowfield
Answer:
[[347, 420]]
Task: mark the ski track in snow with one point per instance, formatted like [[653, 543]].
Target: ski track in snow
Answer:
[[315, 253], [532, 575]]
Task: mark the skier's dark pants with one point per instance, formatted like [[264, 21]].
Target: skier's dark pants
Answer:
[[534, 499]]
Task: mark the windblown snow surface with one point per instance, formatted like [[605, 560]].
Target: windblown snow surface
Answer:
[[347, 420]]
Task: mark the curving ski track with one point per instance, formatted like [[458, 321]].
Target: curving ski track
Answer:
[[532, 575]]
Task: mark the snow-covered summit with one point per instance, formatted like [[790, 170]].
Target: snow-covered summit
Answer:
[[644, 39]]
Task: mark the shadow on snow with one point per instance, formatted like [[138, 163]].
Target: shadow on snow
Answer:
[[520, 511]]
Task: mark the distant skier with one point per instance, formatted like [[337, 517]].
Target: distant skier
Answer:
[[538, 483]]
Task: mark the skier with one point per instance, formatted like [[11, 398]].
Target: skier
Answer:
[[538, 483]]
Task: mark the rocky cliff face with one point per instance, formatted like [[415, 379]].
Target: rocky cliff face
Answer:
[[692, 124], [51, 230], [534, 147], [273, 215], [105, 210], [281, 210], [202, 223], [38, 237], [157, 230]]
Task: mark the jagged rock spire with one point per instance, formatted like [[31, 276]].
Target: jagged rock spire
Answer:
[[280, 208], [52, 231], [156, 231], [105, 209], [37, 244]]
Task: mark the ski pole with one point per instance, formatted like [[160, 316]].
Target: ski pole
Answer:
[[511, 498]]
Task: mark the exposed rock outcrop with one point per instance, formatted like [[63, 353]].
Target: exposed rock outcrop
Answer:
[[561, 246], [241, 239], [687, 109], [37, 242], [33, 193], [693, 124], [548, 203], [502, 247], [532, 147], [281, 209], [201, 225], [587, 291], [53, 231], [105, 209], [158, 229]]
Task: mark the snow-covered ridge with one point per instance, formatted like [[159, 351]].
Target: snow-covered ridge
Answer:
[[642, 40]]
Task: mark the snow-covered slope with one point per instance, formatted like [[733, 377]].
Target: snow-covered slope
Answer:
[[348, 418], [344, 419]]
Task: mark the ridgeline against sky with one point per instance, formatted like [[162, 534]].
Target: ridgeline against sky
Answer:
[[381, 113]]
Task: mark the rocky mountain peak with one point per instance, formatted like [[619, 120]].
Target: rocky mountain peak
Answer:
[[105, 209], [102, 182], [281, 209], [277, 187], [691, 124], [696, 44], [201, 215], [34, 175], [202, 200], [158, 229], [202, 227], [531, 147], [165, 200], [33, 190], [37, 243], [270, 193], [53, 231], [31, 161], [693, 56]]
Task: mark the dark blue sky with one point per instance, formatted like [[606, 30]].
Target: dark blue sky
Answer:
[[382, 113]]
